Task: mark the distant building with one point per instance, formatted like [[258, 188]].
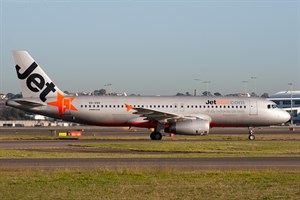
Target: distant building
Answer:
[[283, 100]]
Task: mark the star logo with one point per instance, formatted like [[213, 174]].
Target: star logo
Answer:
[[128, 107], [63, 104]]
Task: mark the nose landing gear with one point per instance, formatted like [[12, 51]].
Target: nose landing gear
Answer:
[[251, 134]]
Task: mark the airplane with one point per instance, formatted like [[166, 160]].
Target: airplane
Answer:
[[183, 115]]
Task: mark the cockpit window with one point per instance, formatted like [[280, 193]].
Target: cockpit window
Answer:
[[272, 106]]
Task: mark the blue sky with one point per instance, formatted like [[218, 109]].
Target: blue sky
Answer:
[[155, 47]]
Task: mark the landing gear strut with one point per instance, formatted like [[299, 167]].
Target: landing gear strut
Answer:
[[251, 135], [155, 135]]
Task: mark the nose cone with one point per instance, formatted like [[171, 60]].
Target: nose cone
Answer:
[[285, 116]]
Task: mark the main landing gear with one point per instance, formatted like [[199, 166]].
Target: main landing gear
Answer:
[[155, 135], [251, 134]]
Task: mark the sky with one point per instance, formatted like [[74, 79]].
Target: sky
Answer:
[[155, 47]]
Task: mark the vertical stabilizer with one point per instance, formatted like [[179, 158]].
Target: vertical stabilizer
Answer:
[[33, 80]]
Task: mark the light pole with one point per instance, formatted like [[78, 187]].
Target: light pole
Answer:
[[196, 79], [291, 89], [245, 87], [254, 78], [206, 83]]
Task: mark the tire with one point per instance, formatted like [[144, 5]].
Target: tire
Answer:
[[156, 136], [251, 137]]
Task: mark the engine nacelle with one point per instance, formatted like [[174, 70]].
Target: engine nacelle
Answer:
[[189, 127]]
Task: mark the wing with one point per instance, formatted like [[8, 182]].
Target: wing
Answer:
[[153, 115], [163, 117]]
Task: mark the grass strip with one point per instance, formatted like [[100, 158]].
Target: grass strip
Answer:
[[224, 148], [149, 184], [161, 149]]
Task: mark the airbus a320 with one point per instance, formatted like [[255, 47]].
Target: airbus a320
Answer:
[[193, 115]]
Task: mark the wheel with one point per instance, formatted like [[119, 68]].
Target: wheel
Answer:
[[156, 136], [251, 137]]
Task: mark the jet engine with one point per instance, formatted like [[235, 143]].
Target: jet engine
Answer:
[[189, 127]]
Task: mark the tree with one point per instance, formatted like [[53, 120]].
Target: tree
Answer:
[[265, 95], [179, 94], [100, 92], [207, 93], [253, 94], [218, 94], [187, 94]]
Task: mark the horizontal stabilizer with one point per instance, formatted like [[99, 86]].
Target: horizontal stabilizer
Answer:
[[28, 103]]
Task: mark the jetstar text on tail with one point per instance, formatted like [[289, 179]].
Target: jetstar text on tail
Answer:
[[35, 82]]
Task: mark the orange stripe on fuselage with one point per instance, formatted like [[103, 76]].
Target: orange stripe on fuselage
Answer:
[[214, 124]]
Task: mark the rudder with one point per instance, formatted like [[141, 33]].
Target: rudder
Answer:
[[33, 80]]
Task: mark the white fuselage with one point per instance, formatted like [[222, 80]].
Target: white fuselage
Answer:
[[112, 111], [178, 115]]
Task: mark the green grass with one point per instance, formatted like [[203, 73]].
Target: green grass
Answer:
[[149, 184], [210, 149], [161, 149]]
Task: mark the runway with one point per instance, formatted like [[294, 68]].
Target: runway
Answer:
[[223, 163], [117, 131], [156, 163]]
